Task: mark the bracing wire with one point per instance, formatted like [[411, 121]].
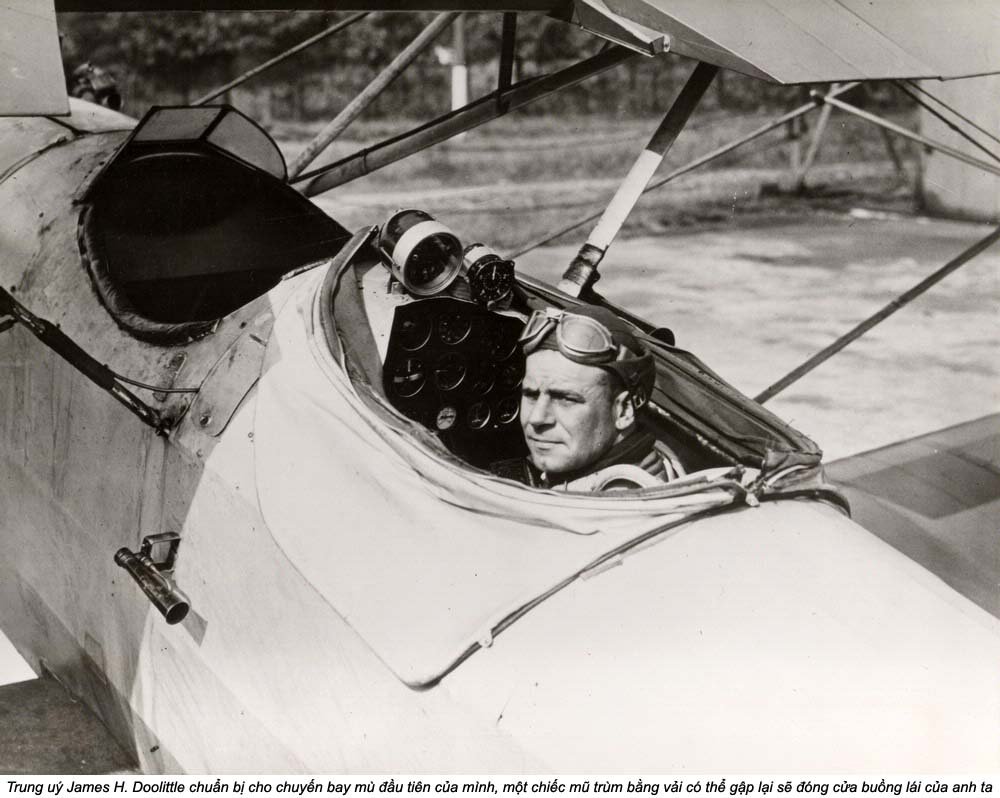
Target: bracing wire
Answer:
[[899, 85], [922, 90]]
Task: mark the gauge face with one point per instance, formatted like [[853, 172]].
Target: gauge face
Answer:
[[482, 378], [413, 333], [491, 282], [446, 417], [510, 376], [433, 263], [508, 409], [453, 327], [449, 372], [500, 346], [478, 416], [425, 265], [409, 377]]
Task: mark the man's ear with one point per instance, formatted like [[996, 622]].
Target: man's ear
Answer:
[[624, 411]]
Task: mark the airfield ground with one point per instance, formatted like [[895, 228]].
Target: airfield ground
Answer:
[[751, 279]]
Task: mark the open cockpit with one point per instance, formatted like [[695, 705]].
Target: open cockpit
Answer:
[[446, 367]]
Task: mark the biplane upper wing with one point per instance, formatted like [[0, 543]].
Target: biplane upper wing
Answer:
[[784, 41], [935, 498]]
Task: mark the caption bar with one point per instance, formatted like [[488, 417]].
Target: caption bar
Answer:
[[406, 785]]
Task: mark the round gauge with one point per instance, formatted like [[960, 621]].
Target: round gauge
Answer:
[[413, 333], [449, 371], [446, 417], [491, 280], [510, 376], [499, 345], [423, 254], [409, 377], [453, 327], [478, 415], [427, 262], [482, 378], [508, 409]]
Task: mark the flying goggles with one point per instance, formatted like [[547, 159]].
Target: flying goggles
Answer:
[[587, 341]]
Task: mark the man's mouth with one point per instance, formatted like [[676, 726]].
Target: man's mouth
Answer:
[[540, 443]]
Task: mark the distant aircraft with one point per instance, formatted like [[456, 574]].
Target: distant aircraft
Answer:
[[245, 514]]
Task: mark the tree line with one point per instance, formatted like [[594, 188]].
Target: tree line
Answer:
[[175, 57]]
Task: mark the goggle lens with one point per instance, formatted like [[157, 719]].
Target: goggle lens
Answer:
[[586, 336], [578, 337]]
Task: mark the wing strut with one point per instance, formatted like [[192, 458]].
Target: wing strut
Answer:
[[354, 108], [701, 160], [508, 42], [885, 124], [899, 302], [581, 274]]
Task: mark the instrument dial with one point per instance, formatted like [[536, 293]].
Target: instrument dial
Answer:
[[446, 418], [409, 377], [413, 333], [426, 263], [453, 327], [482, 378], [491, 280], [510, 376], [500, 346], [508, 409], [449, 372], [478, 415]]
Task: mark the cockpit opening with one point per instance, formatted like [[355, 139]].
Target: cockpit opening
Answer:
[[449, 368], [192, 219]]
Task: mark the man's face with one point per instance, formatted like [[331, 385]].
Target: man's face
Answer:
[[568, 412]]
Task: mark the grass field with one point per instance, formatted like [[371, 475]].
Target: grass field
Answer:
[[515, 181]]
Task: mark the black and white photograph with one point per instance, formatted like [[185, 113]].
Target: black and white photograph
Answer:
[[566, 389]]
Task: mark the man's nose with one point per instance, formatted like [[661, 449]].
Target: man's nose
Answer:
[[541, 412]]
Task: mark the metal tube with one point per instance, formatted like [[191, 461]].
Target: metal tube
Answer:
[[890, 146], [917, 87], [64, 346], [304, 45], [817, 139], [885, 312], [582, 272], [354, 108], [477, 113], [698, 162], [169, 601], [944, 120], [508, 49], [909, 134]]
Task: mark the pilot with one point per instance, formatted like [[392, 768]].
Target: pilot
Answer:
[[586, 379]]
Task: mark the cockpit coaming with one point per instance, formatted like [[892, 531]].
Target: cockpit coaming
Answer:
[[191, 219]]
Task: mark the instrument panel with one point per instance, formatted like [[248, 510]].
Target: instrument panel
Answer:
[[456, 368]]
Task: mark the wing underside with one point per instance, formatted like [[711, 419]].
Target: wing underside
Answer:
[[783, 41]]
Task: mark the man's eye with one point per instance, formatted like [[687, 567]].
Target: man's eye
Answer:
[[527, 393]]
